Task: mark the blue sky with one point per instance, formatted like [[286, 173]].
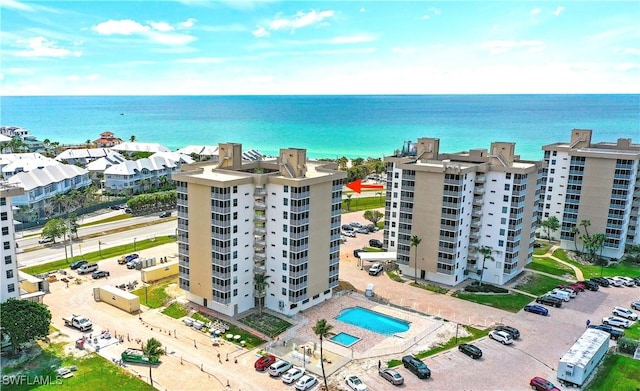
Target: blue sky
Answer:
[[194, 47]]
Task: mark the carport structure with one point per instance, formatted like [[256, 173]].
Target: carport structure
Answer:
[[383, 256]]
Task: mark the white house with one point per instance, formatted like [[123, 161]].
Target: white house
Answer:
[[14, 163], [132, 147], [82, 156], [138, 175]]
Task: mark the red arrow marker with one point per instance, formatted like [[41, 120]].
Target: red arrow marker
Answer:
[[357, 186]]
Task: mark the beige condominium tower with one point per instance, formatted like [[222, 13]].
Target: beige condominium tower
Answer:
[[239, 221], [593, 188], [460, 205]]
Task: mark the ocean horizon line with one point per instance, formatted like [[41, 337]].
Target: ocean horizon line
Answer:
[[332, 95]]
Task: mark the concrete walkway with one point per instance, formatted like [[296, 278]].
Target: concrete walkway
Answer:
[[549, 254]]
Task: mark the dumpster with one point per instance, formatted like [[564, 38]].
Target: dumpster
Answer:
[[80, 344]]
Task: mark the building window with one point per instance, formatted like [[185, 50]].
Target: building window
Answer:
[[503, 220], [507, 187], [3, 201], [508, 175], [7, 245], [235, 292], [284, 265], [284, 279], [235, 189], [235, 215], [235, 279], [285, 201], [284, 291], [555, 153], [11, 288], [393, 243], [504, 209], [550, 188], [285, 215], [235, 241], [500, 243], [9, 273], [502, 231], [286, 188], [7, 260], [285, 228], [5, 230], [235, 255], [235, 202], [284, 255], [284, 241], [505, 198], [552, 171], [235, 267], [395, 194], [235, 229], [553, 162], [3, 216]]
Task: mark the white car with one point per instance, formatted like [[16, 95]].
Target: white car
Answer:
[[45, 239], [625, 313], [615, 321], [351, 234], [279, 367], [355, 383], [306, 382], [571, 292], [615, 281], [375, 269], [501, 336], [292, 375], [627, 281], [635, 305]]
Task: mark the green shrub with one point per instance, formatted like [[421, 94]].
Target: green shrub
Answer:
[[485, 288], [628, 345]]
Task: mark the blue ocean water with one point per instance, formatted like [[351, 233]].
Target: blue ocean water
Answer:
[[329, 126]]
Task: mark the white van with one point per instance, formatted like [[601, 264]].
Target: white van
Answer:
[[562, 295], [88, 268], [369, 291]]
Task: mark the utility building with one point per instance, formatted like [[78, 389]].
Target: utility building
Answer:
[[241, 220], [461, 204]]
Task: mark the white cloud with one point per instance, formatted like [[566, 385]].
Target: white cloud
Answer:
[[73, 78], [535, 11], [161, 26], [425, 16], [93, 76], [41, 47], [120, 27], [431, 11], [558, 11], [187, 23], [16, 5], [434, 10], [352, 39], [300, 20], [497, 47], [159, 32], [260, 32], [627, 66], [632, 51]]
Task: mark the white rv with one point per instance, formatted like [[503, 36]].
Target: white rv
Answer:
[[586, 353]]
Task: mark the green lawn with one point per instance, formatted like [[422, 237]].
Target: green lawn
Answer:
[[364, 203], [616, 372], [251, 340], [154, 296], [111, 219], [619, 269], [544, 247], [266, 324], [633, 331], [430, 287], [94, 373], [100, 255], [176, 310], [550, 266], [539, 284], [512, 302]]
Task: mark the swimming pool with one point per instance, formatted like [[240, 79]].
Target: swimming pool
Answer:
[[373, 321], [345, 339]]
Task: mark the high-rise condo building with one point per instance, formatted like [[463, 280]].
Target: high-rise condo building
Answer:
[[593, 188], [275, 217], [9, 263], [461, 205]]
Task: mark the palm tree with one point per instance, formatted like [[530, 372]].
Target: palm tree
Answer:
[[348, 201], [575, 231], [486, 254], [323, 330], [260, 282], [132, 138], [415, 242], [152, 350]]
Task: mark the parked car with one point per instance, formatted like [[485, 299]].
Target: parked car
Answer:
[[279, 367], [127, 258], [132, 264], [356, 252], [577, 285], [615, 321], [99, 274], [375, 269], [78, 264], [514, 332], [572, 293], [615, 281], [416, 366], [306, 382], [45, 239], [549, 300], [470, 350], [166, 213], [263, 363], [625, 313], [375, 243], [590, 285], [601, 281], [362, 230], [568, 288], [540, 384], [347, 227], [635, 305], [627, 281], [115, 207], [637, 280], [292, 375], [501, 336], [391, 376], [536, 309], [350, 234], [615, 333], [355, 224], [355, 383], [559, 294], [372, 228]]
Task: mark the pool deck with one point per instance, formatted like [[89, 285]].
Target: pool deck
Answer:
[[371, 346]]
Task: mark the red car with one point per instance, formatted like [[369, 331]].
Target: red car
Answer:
[[578, 285], [540, 384], [262, 364]]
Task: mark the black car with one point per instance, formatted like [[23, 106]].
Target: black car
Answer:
[[78, 264], [514, 332], [590, 285], [99, 274], [601, 281], [549, 300], [165, 214], [375, 243], [416, 366], [636, 280], [615, 333], [470, 350], [347, 227]]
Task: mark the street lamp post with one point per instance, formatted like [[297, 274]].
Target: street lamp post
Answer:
[[134, 244]]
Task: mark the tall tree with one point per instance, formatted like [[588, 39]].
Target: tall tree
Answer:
[[575, 231], [152, 349], [260, 282], [54, 228], [415, 242], [373, 215], [486, 254], [348, 201], [323, 330], [552, 224], [24, 321], [132, 138]]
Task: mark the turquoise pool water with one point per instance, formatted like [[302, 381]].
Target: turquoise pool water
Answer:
[[345, 339], [373, 321]]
